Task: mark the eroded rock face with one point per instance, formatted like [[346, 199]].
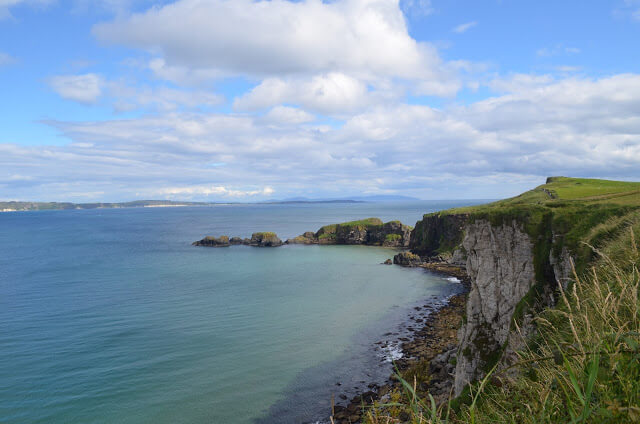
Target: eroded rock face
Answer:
[[500, 265], [222, 241]]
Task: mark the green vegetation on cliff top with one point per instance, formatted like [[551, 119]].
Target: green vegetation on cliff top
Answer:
[[561, 192], [572, 208]]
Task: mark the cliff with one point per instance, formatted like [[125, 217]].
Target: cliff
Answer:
[[370, 231], [516, 252]]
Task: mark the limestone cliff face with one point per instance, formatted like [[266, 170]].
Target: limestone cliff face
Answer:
[[510, 272], [500, 265]]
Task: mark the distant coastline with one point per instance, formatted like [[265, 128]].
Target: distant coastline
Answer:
[[18, 206]]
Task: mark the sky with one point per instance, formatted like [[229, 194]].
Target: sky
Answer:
[[241, 100]]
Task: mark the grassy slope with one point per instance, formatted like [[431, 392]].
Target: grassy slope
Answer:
[[584, 364], [575, 208]]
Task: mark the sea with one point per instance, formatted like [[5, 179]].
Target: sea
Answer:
[[112, 316]]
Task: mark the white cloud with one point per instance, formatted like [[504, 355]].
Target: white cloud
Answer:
[[278, 37], [330, 93], [189, 192], [557, 50], [347, 44], [464, 27], [288, 115], [537, 126], [127, 97], [86, 88]]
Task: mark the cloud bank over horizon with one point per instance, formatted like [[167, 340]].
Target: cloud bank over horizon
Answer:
[[248, 100]]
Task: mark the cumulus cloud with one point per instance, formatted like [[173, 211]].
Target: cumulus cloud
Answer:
[[333, 92], [278, 37], [464, 27], [536, 126], [288, 115], [204, 190], [86, 88], [344, 44]]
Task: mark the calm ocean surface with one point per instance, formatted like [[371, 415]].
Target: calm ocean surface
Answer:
[[111, 316]]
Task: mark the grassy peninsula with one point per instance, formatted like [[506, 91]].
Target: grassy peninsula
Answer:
[[582, 362]]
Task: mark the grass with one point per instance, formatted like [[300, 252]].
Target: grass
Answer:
[[392, 237], [583, 364]]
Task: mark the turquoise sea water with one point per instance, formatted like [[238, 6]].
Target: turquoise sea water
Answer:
[[111, 316]]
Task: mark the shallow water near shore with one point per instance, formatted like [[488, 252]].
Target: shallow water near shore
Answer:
[[112, 316]]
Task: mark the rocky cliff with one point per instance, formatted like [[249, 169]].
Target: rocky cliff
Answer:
[[512, 262]]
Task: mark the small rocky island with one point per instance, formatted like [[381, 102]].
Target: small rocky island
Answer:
[[370, 232], [261, 239]]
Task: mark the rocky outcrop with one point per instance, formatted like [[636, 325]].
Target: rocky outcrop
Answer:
[[222, 241], [263, 239], [235, 240], [370, 231], [407, 259], [267, 239]]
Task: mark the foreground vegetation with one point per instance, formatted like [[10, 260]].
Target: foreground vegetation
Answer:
[[583, 364]]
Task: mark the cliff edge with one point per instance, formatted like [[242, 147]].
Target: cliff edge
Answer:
[[516, 253]]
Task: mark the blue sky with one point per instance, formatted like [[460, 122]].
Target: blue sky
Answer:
[[245, 100]]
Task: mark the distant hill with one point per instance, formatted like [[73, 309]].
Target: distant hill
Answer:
[[14, 206], [354, 199], [385, 198], [41, 206]]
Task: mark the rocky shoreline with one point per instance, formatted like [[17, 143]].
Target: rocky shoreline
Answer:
[[429, 349]]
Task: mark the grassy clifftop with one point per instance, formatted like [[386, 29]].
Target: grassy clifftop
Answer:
[[565, 192], [575, 209]]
